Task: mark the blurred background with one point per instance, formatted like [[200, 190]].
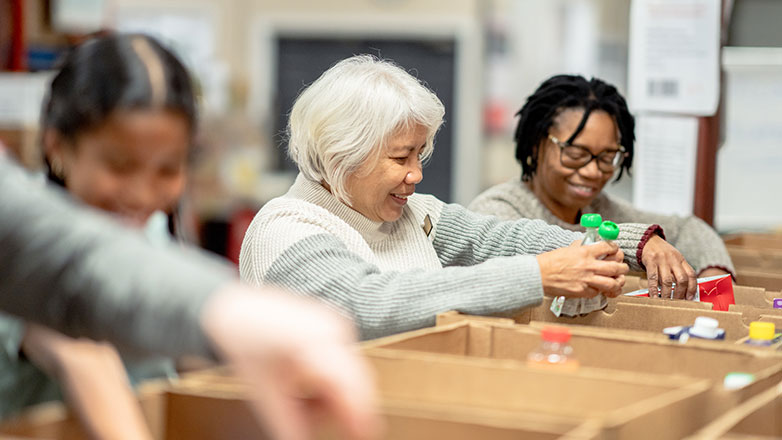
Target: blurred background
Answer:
[[482, 57]]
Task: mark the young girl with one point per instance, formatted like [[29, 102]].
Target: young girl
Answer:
[[117, 128]]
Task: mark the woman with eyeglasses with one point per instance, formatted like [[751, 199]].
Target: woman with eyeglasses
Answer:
[[573, 136]]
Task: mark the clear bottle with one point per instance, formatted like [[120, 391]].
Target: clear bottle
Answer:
[[761, 333], [554, 351], [591, 222]]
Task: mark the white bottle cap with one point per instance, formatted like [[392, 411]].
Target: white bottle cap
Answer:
[[705, 327]]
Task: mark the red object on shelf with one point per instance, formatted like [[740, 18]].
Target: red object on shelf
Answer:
[[237, 226], [17, 63], [718, 291]]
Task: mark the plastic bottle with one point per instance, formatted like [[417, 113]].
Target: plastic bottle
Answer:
[[591, 222], [761, 333], [554, 351]]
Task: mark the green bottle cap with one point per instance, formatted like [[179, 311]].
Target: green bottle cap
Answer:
[[737, 379], [591, 220], [608, 230]]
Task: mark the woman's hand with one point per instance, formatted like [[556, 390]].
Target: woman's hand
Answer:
[[583, 271], [298, 358], [665, 266], [94, 381]]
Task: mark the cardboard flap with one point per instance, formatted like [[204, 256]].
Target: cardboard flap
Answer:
[[633, 315], [758, 417]]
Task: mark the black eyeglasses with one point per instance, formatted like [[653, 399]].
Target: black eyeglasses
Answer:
[[576, 156]]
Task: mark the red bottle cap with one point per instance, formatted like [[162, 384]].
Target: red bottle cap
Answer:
[[555, 334]]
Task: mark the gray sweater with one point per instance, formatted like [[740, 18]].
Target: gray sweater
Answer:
[[699, 243], [396, 276], [77, 271]]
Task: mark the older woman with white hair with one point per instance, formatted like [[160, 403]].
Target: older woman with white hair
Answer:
[[352, 231]]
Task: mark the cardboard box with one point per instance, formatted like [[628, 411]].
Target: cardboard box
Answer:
[[624, 405], [742, 294], [755, 251], [422, 419], [429, 394], [757, 258], [210, 405], [757, 418], [767, 279], [651, 315], [598, 348]]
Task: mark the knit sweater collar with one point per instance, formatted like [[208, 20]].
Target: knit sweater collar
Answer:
[[313, 192], [541, 211]]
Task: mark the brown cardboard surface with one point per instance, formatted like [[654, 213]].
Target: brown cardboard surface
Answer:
[[597, 348], [652, 315], [755, 259], [600, 349], [208, 405], [756, 241], [640, 317], [626, 404], [755, 296], [760, 252], [417, 420], [757, 418], [743, 294], [766, 279]]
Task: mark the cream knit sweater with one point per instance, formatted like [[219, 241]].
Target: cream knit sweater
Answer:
[[396, 276]]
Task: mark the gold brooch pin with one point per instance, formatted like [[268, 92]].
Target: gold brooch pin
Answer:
[[427, 225]]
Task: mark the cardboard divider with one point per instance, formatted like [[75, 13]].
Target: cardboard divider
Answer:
[[632, 315], [210, 405], [757, 258], [624, 404], [757, 418], [755, 251], [654, 314], [596, 348], [743, 294], [770, 280], [755, 296], [628, 352], [412, 420], [754, 241]]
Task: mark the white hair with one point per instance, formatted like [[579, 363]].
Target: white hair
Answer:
[[348, 115]]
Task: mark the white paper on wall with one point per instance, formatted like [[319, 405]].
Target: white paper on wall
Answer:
[[674, 56], [664, 163], [749, 163]]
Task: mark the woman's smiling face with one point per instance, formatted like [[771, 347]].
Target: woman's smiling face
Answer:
[[564, 190], [379, 190]]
